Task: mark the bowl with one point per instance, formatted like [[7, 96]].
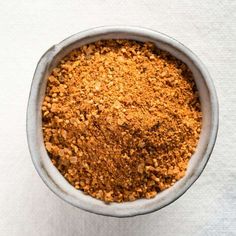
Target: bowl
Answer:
[[52, 177]]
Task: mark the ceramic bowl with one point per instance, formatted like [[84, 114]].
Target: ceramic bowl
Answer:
[[51, 176]]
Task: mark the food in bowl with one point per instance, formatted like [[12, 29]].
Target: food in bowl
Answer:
[[121, 119]]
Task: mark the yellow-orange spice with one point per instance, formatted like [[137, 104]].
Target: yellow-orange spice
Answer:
[[121, 119]]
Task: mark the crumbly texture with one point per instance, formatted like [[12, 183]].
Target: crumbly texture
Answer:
[[121, 119]]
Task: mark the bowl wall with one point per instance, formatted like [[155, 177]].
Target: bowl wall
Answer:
[[51, 176]]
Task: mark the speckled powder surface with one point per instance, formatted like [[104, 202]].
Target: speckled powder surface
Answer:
[[121, 119]]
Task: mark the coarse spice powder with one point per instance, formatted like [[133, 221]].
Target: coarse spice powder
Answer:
[[121, 119]]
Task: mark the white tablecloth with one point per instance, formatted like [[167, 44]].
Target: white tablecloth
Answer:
[[28, 28]]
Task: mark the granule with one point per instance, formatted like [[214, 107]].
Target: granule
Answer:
[[121, 119]]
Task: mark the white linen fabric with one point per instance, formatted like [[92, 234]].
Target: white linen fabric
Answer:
[[28, 28]]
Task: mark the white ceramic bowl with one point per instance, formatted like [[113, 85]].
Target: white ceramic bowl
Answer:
[[51, 176]]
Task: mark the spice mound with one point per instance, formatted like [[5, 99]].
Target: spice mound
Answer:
[[121, 119]]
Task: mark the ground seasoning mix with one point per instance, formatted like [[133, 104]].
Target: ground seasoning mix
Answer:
[[121, 119]]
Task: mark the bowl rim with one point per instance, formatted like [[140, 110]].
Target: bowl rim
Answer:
[[129, 30]]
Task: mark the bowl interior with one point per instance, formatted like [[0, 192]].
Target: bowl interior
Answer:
[[51, 175]]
